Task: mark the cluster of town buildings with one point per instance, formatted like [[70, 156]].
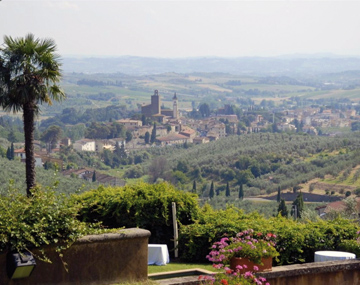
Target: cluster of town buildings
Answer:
[[311, 119], [172, 128]]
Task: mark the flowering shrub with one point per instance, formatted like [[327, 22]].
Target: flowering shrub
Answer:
[[245, 244], [233, 277]]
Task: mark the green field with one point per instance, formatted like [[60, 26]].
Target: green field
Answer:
[[214, 88]]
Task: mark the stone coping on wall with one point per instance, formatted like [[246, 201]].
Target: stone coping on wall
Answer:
[[312, 268], [120, 234]]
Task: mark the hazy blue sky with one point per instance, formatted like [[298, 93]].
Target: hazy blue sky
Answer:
[[187, 28]]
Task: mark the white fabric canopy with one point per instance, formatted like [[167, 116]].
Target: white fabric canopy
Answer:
[[158, 254], [333, 255]]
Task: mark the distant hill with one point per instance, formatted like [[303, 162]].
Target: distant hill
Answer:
[[262, 66]]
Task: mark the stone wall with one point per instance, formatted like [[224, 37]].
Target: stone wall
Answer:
[[92, 260], [343, 272]]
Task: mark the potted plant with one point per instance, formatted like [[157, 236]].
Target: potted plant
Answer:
[[247, 249]]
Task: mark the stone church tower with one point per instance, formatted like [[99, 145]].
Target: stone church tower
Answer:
[[154, 108], [175, 107], [155, 103]]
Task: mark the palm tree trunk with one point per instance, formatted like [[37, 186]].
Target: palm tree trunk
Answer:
[[29, 128]]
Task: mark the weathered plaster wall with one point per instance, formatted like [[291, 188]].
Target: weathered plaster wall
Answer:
[[92, 260]]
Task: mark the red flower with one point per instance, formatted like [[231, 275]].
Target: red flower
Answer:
[[223, 281]]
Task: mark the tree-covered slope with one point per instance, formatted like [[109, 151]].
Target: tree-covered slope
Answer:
[[12, 176], [261, 161]]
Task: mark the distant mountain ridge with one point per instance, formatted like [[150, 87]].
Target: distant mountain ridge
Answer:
[[262, 66]]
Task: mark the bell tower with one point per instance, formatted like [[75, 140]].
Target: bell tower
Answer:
[[175, 107], [155, 103]]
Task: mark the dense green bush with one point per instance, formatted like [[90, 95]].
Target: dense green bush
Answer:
[[296, 242], [147, 206], [351, 246], [38, 221]]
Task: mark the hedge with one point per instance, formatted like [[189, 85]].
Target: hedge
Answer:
[[143, 205], [296, 241]]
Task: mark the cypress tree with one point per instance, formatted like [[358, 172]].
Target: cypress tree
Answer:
[[8, 153], [282, 209], [147, 137], [278, 195], [241, 192], [227, 193], [212, 192], [298, 204], [123, 153], [12, 151], [194, 187], [94, 176], [153, 134]]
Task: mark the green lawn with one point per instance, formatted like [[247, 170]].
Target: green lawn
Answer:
[[174, 266]]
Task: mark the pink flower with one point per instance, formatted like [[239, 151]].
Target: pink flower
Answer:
[[218, 266], [248, 274], [256, 268]]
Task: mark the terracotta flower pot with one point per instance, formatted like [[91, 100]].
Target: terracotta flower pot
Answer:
[[234, 261]]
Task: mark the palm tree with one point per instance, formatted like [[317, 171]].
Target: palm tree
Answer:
[[29, 73]]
